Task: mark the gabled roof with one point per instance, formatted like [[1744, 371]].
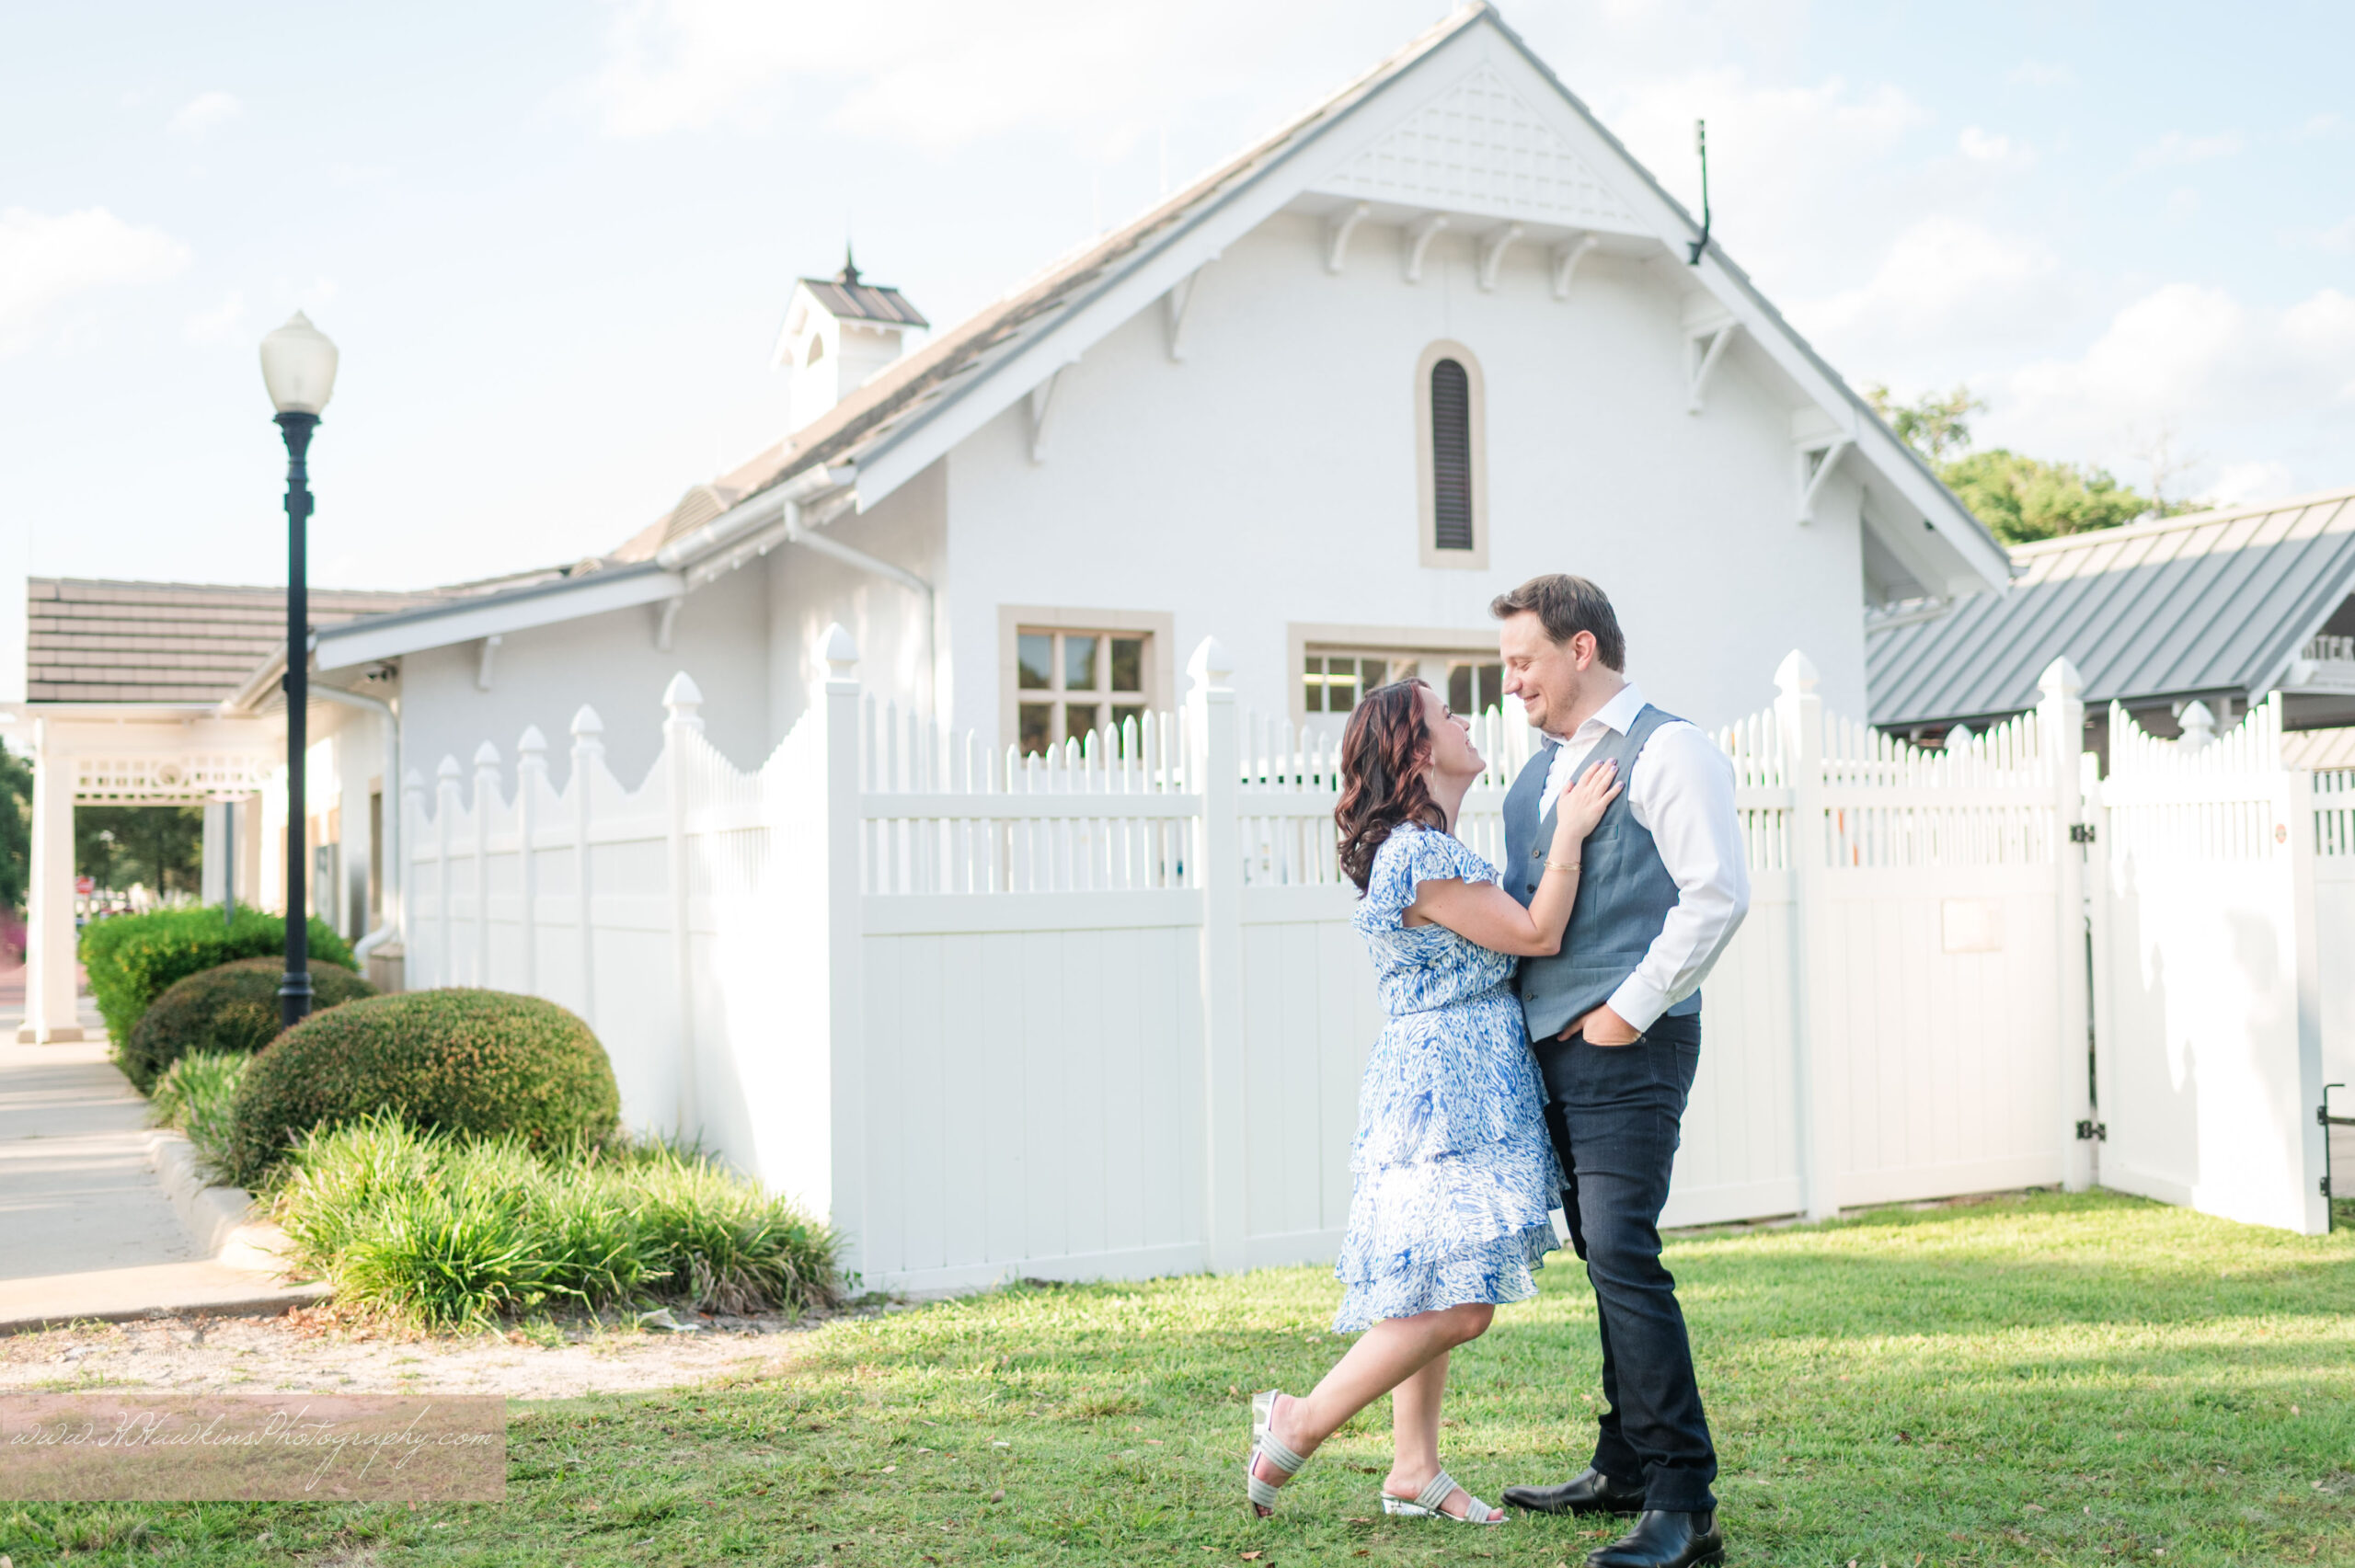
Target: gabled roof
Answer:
[[911, 413], [2214, 603], [95, 641]]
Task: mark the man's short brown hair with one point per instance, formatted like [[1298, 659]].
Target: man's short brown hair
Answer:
[[1565, 606]]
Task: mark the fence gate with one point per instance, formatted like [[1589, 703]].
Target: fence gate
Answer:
[[2208, 987]]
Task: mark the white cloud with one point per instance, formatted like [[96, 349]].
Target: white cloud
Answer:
[[204, 111], [2175, 148], [47, 258], [1943, 276], [935, 74], [2188, 355], [218, 324], [2183, 204], [2041, 74], [2316, 125], [1984, 146]]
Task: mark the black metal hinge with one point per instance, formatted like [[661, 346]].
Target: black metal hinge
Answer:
[[2092, 1132], [2326, 1186], [2081, 833]]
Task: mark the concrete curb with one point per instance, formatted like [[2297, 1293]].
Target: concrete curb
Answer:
[[218, 1220]]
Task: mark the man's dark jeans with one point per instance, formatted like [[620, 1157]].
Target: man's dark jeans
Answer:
[[1614, 1111]]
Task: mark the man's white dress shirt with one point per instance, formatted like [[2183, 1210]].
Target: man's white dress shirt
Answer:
[[1680, 791]]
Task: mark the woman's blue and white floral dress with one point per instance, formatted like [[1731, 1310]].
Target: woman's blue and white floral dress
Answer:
[[1454, 1173]]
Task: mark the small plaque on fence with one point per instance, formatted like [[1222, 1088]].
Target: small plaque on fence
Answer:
[[1973, 925]]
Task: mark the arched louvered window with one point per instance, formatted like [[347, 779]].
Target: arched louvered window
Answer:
[[1450, 457]]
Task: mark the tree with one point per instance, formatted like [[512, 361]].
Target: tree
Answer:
[[15, 829], [2020, 498], [162, 846]]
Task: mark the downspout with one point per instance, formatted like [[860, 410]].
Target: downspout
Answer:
[[391, 929], [827, 545]]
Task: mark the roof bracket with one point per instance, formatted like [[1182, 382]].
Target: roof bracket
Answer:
[[1175, 306], [1707, 349], [1492, 254], [666, 616], [1815, 467], [1338, 230], [1042, 404], [482, 669], [1566, 256], [1420, 235]]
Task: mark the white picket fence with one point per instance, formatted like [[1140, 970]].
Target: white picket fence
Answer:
[[1102, 1012], [2223, 943]]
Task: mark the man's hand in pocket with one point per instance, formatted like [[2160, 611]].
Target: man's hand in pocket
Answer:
[[1605, 1027]]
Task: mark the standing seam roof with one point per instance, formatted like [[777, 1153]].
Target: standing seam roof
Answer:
[[2216, 602]]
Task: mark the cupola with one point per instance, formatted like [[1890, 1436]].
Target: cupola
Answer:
[[839, 332]]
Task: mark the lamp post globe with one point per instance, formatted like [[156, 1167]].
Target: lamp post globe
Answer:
[[298, 363]]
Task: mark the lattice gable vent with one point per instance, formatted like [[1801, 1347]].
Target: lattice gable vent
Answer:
[[1479, 148]]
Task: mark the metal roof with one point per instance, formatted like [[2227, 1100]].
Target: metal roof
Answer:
[[851, 299], [2216, 602]]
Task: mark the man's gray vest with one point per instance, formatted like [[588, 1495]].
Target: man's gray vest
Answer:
[[1624, 893]]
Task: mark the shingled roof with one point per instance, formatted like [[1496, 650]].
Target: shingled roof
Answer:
[[2212, 603], [91, 640]]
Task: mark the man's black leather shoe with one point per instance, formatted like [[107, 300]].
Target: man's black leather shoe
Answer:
[[1591, 1492], [1662, 1539]]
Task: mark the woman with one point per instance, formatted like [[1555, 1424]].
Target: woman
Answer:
[[1455, 1170]]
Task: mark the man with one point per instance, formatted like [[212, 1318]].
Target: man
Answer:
[[1614, 1018]]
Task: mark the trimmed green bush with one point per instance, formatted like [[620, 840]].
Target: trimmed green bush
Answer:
[[134, 959], [455, 1233], [231, 1007], [478, 1062]]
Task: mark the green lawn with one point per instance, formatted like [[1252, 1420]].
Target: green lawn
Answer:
[[2085, 1380]]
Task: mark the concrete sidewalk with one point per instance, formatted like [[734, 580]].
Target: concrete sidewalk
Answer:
[[86, 1228]]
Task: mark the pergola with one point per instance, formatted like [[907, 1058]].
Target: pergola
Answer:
[[116, 754]]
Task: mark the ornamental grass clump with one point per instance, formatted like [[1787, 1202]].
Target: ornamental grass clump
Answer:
[[447, 1232], [229, 1008], [197, 1094], [482, 1064], [134, 959]]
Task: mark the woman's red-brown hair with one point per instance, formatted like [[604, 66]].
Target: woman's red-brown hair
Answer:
[[1384, 750]]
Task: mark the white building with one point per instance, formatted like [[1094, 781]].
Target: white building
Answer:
[[1437, 335]]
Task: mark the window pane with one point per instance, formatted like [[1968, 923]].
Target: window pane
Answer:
[[1372, 672], [1340, 685], [1037, 727], [1460, 693], [1079, 664], [1034, 661], [1450, 457], [1124, 712], [1492, 686], [1128, 664], [1079, 719], [1312, 686]]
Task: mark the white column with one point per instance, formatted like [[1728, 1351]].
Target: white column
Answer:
[[49, 939], [588, 756], [531, 777], [681, 730], [1214, 774], [2062, 715], [1817, 1092], [412, 807]]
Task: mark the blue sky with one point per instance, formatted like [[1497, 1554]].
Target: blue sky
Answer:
[[555, 241]]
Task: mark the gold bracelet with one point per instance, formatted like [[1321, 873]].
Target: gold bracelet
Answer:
[[1563, 864]]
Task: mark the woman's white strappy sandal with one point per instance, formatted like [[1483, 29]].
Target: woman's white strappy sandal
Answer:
[[1264, 1441], [1427, 1502]]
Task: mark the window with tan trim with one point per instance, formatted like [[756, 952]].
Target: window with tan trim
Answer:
[[1070, 682]]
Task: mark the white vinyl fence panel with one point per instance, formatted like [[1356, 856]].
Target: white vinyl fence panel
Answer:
[[2211, 1004], [1102, 1012]]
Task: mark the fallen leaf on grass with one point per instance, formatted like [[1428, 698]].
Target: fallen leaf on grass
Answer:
[[1353, 1520], [999, 1496], [1253, 1556], [2036, 1508]]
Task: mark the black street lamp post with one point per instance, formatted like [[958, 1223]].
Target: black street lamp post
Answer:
[[298, 365]]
